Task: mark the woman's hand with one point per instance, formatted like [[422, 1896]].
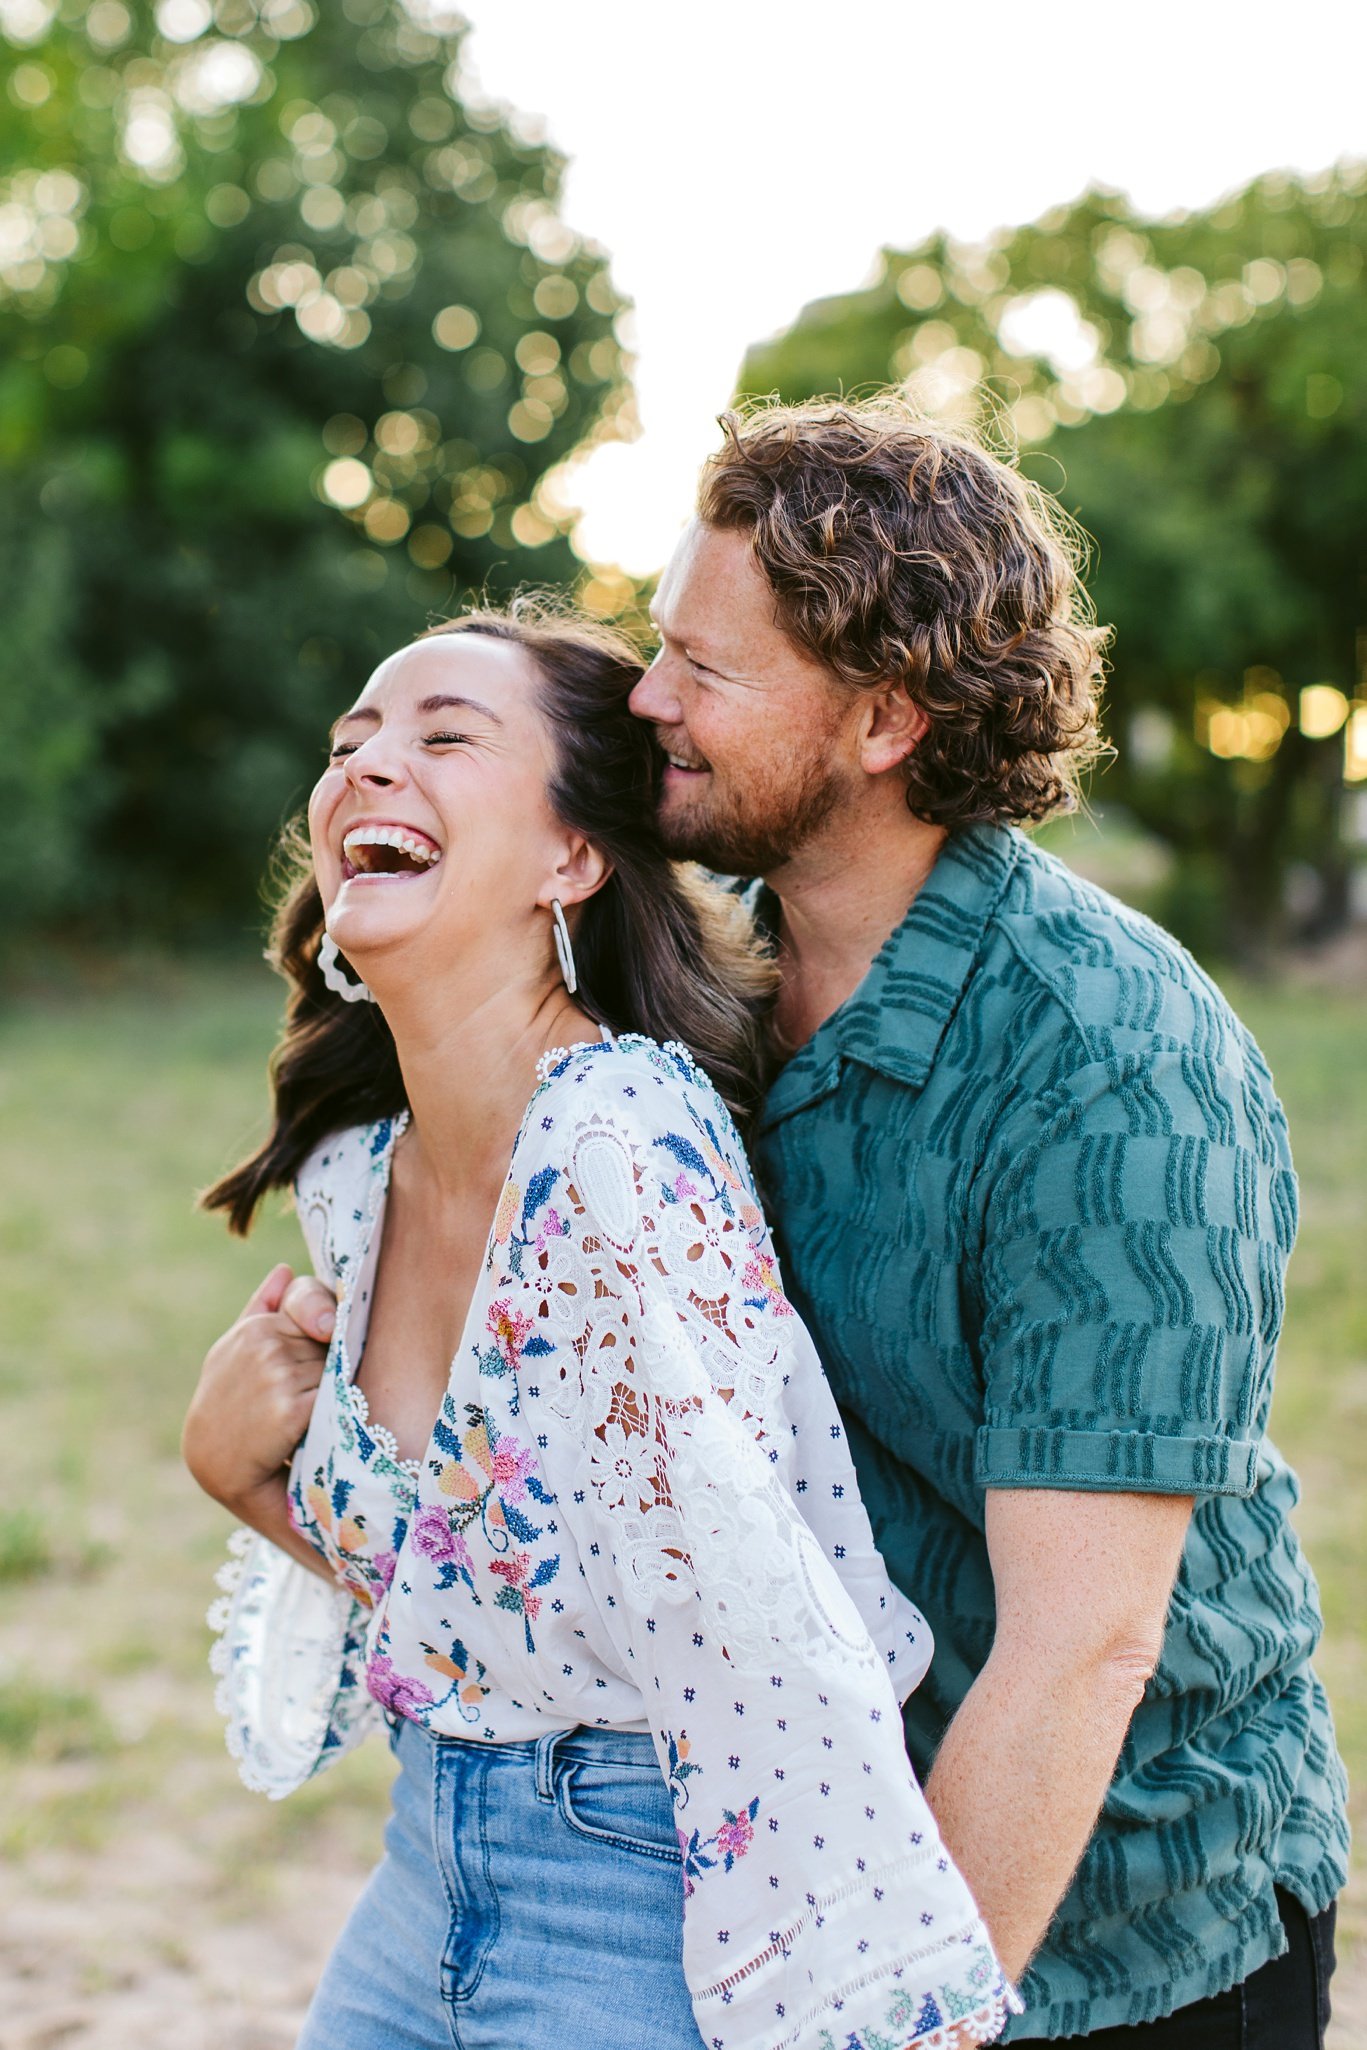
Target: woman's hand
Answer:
[[256, 1390]]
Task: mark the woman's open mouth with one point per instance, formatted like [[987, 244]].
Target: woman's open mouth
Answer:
[[387, 854]]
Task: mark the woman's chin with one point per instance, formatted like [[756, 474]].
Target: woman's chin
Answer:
[[369, 933]]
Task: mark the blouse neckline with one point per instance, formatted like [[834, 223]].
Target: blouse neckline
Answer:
[[371, 1238]]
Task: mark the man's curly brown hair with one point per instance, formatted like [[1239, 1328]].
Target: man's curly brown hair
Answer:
[[899, 551]]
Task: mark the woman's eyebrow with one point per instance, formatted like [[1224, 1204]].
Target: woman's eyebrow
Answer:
[[356, 712], [444, 702]]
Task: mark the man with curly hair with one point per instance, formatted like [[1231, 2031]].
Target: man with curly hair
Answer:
[[1034, 1197]]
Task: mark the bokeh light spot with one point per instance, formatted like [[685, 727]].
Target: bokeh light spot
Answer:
[[556, 297], [1323, 396], [108, 23], [386, 521], [180, 21], [919, 287], [430, 546], [345, 435], [30, 85], [537, 352], [322, 208], [1323, 710], [226, 205], [530, 529], [530, 420], [346, 483], [455, 327]]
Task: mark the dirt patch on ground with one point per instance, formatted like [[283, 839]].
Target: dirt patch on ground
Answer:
[[136, 1948], [131, 1949]]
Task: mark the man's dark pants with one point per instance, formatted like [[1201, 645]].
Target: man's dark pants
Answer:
[[1282, 2006]]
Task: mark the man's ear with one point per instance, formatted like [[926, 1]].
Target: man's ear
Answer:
[[579, 875], [893, 726]]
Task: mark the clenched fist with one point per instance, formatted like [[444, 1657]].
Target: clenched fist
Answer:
[[256, 1391]]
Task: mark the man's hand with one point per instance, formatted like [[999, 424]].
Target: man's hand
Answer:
[[256, 1390], [1082, 1584]]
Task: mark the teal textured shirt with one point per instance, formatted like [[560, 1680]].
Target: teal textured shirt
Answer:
[[1034, 1197]]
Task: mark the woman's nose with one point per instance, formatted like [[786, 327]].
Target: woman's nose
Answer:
[[373, 765]]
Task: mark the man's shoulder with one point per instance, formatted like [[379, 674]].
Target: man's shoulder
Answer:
[[1095, 969]]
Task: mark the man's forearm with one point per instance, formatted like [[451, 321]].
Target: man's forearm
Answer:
[[1019, 1780]]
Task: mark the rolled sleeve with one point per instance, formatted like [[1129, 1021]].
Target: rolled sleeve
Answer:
[[1136, 1239]]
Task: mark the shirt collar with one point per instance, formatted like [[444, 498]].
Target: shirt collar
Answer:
[[895, 1020]]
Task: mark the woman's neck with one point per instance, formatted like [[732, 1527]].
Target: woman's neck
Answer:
[[468, 1059]]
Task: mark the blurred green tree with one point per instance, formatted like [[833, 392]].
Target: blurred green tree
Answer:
[[1194, 390], [292, 338]]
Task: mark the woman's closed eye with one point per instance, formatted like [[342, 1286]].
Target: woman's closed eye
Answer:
[[349, 747]]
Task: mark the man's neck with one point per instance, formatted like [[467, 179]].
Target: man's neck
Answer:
[[840, 898]]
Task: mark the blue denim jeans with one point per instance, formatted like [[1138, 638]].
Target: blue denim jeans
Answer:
[[530, 1898]]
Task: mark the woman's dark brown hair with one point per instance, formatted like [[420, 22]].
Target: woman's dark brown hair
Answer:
[[658, 948], [898, 552]]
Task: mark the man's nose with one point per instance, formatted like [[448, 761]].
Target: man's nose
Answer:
[[655, 697]]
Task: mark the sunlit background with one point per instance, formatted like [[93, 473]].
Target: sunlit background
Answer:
[[316, 320], [740, 160]]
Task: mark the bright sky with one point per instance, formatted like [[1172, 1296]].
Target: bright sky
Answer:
[[738, 158]]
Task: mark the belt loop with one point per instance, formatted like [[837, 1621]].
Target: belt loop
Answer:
[[544, 1756]]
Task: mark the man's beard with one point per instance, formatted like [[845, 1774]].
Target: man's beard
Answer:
[[756, 828]]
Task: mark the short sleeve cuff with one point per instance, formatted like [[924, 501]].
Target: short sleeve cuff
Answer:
[[1139, 1461]]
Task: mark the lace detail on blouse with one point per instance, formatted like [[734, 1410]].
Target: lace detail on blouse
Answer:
[[672, 1314]]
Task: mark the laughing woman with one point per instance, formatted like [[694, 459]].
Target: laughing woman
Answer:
[[573, 1507]]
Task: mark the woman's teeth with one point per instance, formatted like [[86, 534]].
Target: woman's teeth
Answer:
[[405, 853]]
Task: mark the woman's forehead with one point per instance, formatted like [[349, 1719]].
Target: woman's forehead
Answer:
[[496, 673]]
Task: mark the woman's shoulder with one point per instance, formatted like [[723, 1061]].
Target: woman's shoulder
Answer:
[[651, 1095], [647, 1084]]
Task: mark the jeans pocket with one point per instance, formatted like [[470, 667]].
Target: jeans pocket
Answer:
[[627, 1806]]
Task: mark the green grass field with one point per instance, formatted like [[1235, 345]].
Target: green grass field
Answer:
[[115, 1105]]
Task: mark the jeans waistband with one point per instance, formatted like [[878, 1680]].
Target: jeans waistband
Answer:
[[579, 1740]]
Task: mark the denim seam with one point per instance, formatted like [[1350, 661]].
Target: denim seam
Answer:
[[666, 1853], [452, 1885], [467, 1993]]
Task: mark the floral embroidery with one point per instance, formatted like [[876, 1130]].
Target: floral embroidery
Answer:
[[917, 2022], [730, 1840], [509, 1330], [681, 1768], [520, 1580], [489, 1476], [321, 1511], [468, 1690], [394, 1690], [759, 1277]]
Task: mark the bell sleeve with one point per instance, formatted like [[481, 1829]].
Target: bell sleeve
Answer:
[[703, 1469], [289, 1651]]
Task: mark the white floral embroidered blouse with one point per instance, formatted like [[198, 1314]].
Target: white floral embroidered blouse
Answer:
[[636, 1510]]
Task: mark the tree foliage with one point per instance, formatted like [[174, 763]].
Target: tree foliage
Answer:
[[1194, 390], [291, 339]]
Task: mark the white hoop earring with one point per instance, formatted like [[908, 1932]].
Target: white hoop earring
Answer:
[[563, 948], [336, 980]]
